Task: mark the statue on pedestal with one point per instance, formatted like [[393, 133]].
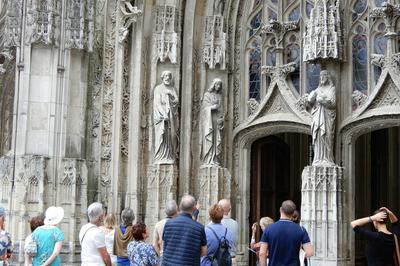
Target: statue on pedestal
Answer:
[[166, 122], [211, 124], [323, 114]]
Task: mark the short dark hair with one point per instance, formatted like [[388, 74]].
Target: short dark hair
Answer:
[[385, 220], [36, 221], [216, 213], [138, 230], [288, 207]]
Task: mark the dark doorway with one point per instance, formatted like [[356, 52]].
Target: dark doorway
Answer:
[[277, 162], [377, 174]]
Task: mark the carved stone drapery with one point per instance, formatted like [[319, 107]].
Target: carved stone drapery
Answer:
[[323, 38], [43, 22], [166, 33], [214, 48], [79, 24]]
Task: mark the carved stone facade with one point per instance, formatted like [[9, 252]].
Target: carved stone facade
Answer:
[[78, 80]]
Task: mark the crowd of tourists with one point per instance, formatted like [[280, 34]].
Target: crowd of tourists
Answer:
[[179, 239]]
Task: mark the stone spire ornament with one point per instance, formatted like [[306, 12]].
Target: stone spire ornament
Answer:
[[323, 38]]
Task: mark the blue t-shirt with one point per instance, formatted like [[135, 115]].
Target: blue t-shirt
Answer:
[[284, 239], [183, 239], [213, 242], [46, 238]]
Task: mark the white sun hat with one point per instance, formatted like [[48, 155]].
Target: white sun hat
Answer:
[[54, 215]]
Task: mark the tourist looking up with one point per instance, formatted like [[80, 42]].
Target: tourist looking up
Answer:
[[92, 239], [231, 224], [171, 211], [282, 240], [123, 236], [380, 243], [49, 238], [109, 230], [139, 252], [184, 239]]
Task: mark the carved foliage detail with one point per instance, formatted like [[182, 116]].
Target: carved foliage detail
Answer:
[[32, 174], [388, 97]]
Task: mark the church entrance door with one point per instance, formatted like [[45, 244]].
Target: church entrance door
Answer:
[[277, 162], [377, 177]]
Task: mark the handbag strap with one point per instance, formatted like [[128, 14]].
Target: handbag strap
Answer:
[[83, 237], [397, 248]]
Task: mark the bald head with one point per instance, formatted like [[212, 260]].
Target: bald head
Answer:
[[188, 204], [226, 205]]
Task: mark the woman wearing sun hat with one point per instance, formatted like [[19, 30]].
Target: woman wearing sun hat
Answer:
[[49, 238]]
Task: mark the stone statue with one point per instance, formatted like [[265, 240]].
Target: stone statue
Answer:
[[166, 122], [211, 124], [323, 114]]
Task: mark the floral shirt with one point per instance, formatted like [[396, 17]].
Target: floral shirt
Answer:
[[142, 254], [5, 242]]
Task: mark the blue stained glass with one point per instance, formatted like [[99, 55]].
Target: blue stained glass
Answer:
[[293, 55], [272, 14], [255, 71], [379, 3], [271, 57], [313, 77], [360, 6], [255, 23], [309, 7], [380, 44], [294, 15], [360, 63]]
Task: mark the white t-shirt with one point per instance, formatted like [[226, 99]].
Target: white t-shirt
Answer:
[[93, 238]]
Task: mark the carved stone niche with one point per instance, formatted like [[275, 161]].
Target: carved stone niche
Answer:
[[73, 177], [214, 184], [166, 37], [214, 48], [6, 172]]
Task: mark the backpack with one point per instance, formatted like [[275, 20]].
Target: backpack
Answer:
[[222, 256]]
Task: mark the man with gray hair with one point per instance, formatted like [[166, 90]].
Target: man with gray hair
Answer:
[[184, 239], [92, 239], [171, 210]]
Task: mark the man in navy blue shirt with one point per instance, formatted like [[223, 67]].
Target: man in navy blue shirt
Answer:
[[184, 239], [281, 241]]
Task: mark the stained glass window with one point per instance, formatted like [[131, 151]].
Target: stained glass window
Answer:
[[358, 8], [255, 71], [379, 2], [360, 63], [272, 14], [312, 76], [255, 23], [293, 55], [294, 15], [380, 44], [309, 7]]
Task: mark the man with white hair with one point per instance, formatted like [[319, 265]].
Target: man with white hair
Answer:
[[231, 225], [171, 210], [92, 239]]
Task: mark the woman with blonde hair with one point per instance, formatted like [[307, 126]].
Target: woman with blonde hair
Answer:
[[264, 223], [109, 230]]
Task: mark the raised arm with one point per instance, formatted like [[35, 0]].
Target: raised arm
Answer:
[[392, 216], [363, 221]]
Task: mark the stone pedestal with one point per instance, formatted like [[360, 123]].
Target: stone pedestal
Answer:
[[322, 214], [214, 184], [161, 187]]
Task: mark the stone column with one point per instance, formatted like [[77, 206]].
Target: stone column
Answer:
[[322, 213], [214, 184]]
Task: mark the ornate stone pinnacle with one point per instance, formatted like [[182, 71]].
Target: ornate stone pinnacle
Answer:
[[383, 62], [388, 12], [279, 29], [129, 14], [278, 72]]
